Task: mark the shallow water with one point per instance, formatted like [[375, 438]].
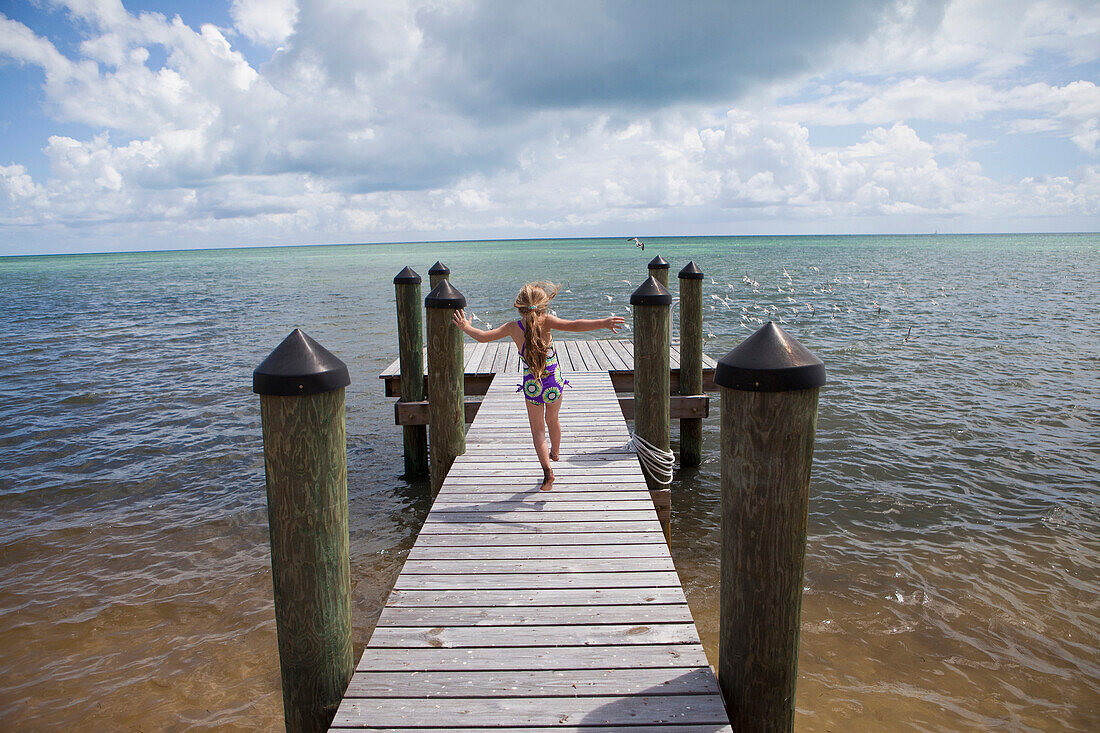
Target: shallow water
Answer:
[[951, 575]]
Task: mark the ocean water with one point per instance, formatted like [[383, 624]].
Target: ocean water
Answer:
[[951, 572]]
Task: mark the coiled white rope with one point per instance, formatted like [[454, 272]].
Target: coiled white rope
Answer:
[[658, 462]]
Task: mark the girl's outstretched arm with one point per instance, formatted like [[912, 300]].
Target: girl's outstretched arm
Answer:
[[461, 320], [586, 324]]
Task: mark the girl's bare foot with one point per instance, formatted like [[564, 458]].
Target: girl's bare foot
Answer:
[[547, 480], [553, 455]]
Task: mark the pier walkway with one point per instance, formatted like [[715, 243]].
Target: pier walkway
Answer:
[[523, 610], [615, 356]]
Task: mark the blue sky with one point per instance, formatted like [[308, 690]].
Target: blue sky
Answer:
[[153, 125]]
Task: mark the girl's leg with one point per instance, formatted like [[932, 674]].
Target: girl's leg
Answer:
[[554, 425], [538, 437]]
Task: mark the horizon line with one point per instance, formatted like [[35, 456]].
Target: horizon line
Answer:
[[533, 239]]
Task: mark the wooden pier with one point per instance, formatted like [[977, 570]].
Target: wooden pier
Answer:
[[523, 610], [481, 362], [614, 356]]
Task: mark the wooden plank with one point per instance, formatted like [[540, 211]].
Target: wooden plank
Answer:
[[542, 539], [511, 526], [567, 449], [467, 354], [641, 656], [595, 501], [579, 365], [499, 357], [536, 581], [612, 355], [579, 463], [516, 566], [485, 363], [581, 357], [565, 360], [393, 369], [474, 364], [537, 503], [543, 516], [416, 413], [527, 616], [610, 710], [597, 353], [518, 478], [541, 683], [625, 351], [536, 552], [535, 597], [504, 637]]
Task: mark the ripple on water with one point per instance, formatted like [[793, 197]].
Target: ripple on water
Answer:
[[952, 559]]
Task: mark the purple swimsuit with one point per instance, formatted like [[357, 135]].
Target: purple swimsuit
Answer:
[[546, 390]]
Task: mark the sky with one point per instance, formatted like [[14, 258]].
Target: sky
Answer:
[[165, 125]]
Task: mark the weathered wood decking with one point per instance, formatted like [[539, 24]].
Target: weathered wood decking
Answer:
[[522, 610], [614, 356]]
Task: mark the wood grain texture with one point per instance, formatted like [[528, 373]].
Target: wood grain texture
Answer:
[[305, 462], [410, 341], [651, 377], [661, 274], [543, 683], [524, 609], [767, 448], [691, 367], [446, 410]]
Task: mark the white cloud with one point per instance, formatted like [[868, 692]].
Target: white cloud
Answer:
[[355, 128], [268, 22]]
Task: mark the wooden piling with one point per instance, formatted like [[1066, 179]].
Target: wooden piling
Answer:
[[438, 273], [301, 387], [410, 340], [769, 387], [651, 302], [691, 359], [658, 268], [446, 412]]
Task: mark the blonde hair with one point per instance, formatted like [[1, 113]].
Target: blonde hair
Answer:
[[533, 302]]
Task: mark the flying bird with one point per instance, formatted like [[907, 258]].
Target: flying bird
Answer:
[[637, 242]]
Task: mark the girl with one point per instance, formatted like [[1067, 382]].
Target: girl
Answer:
[[542, 381]]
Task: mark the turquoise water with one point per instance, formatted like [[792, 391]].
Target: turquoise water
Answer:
[[951, 577]]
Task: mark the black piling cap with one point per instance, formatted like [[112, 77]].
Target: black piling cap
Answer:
[[444, 295], [691, 271], [658, 263], [299, 366], [770, 360], [407, 276], [651, 292], [439, 269]]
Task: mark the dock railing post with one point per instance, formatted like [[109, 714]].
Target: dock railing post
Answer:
[[691, 359], [410, 340], [651, 302], [446, 408], [769, 386], [301, 387], [658, 268], [438, 273]]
